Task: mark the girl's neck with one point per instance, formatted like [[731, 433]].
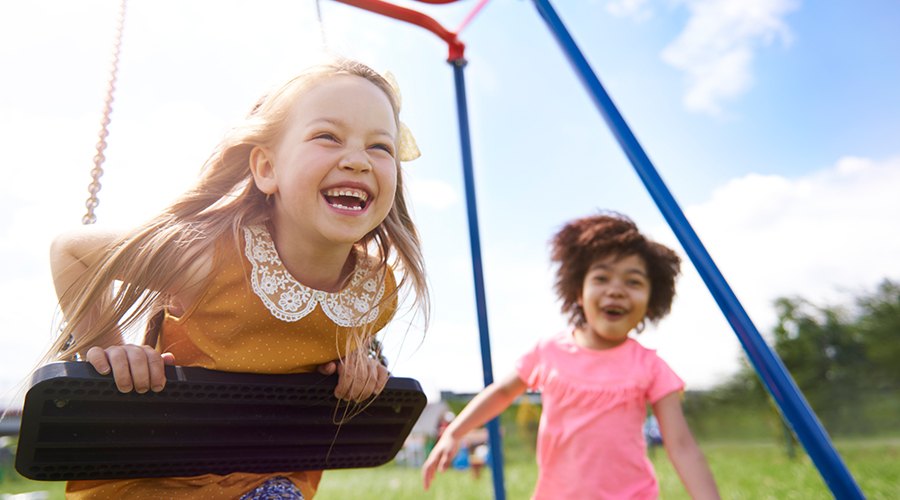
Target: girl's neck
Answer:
[[584, 337], [320, 267]]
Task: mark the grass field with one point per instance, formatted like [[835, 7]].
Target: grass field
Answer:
[[743, 471]]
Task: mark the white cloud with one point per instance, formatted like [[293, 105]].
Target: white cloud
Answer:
[[824, 236], [431, 193], [636, 9], [717, 46]]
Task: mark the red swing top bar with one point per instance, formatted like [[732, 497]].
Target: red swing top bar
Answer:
[[456, 48]]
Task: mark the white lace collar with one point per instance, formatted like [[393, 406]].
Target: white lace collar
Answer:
[[289, 300]]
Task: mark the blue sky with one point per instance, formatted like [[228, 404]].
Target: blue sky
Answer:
[[773, 123]]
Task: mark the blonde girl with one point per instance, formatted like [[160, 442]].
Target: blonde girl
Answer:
[[595, 380], [281, 259]]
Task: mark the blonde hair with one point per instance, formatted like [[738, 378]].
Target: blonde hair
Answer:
[[225, 199]]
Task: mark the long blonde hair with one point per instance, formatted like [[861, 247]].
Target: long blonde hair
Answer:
[[224, 199]]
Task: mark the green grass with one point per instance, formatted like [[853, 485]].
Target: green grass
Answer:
[[13, 483], [743, 470]]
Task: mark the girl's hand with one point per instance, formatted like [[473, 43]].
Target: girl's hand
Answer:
[[440, 458], [358, 380], [137, 367]]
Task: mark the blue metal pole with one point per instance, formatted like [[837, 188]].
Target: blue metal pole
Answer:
[[770, 368], [493, 426]]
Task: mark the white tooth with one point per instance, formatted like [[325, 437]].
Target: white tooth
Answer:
[[356, 193]]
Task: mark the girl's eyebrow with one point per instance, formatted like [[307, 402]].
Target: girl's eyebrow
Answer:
[[606, 267], [341, 124]]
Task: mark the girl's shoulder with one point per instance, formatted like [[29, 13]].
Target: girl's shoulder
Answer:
[[563, 348], [564, 340], [561, 339]]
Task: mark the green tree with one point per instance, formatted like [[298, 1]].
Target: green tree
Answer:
[[826, 355], [845, 359], [879, 324]]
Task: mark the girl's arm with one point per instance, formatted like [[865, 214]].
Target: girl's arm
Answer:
[[682, 449], [486, 405], [71, 254], [133, 367]]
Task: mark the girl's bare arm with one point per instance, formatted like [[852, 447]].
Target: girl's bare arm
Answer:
[[486, 405], [133, 367], [682, 449], [72, 253]]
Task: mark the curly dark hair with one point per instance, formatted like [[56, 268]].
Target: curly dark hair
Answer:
[[582, 242]]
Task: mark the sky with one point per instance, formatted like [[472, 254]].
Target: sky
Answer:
[[774, 124]]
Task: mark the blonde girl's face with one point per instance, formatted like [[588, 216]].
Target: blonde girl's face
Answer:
[[332, 173], [614, 298]]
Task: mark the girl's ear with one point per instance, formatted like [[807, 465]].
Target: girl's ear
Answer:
[[263, 170]]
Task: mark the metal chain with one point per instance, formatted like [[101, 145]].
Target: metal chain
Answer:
[[321, 25], [97, 171]]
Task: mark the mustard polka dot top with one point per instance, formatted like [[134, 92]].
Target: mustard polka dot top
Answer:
[[256, 318]]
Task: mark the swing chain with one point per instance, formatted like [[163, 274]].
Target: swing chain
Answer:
[[321, 26], [97, 172]]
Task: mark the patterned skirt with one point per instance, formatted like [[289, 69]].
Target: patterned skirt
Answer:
[[276, 488]]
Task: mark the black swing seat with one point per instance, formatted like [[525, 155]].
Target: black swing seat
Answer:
[[77, 425]]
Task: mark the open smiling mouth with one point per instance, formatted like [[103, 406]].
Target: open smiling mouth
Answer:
[[347, 198], [614, 312]]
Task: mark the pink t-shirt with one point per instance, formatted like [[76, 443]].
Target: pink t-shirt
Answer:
[[590, 439]]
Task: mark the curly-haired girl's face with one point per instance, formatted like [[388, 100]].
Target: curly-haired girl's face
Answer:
[[614, 298]]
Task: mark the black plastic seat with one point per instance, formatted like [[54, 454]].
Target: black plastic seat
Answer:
[[77, 425]]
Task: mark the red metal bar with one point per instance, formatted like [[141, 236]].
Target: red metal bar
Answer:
[[456, 48]]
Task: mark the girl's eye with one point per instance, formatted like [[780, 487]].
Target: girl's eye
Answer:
[[384, 147], [327, 136]]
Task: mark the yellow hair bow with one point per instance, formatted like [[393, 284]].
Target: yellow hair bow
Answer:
[[407, 148]]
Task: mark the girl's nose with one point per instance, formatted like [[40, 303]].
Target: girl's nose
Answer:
[[615, 289], [356, 161]]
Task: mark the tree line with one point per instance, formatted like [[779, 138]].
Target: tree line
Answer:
[[845, 358]]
